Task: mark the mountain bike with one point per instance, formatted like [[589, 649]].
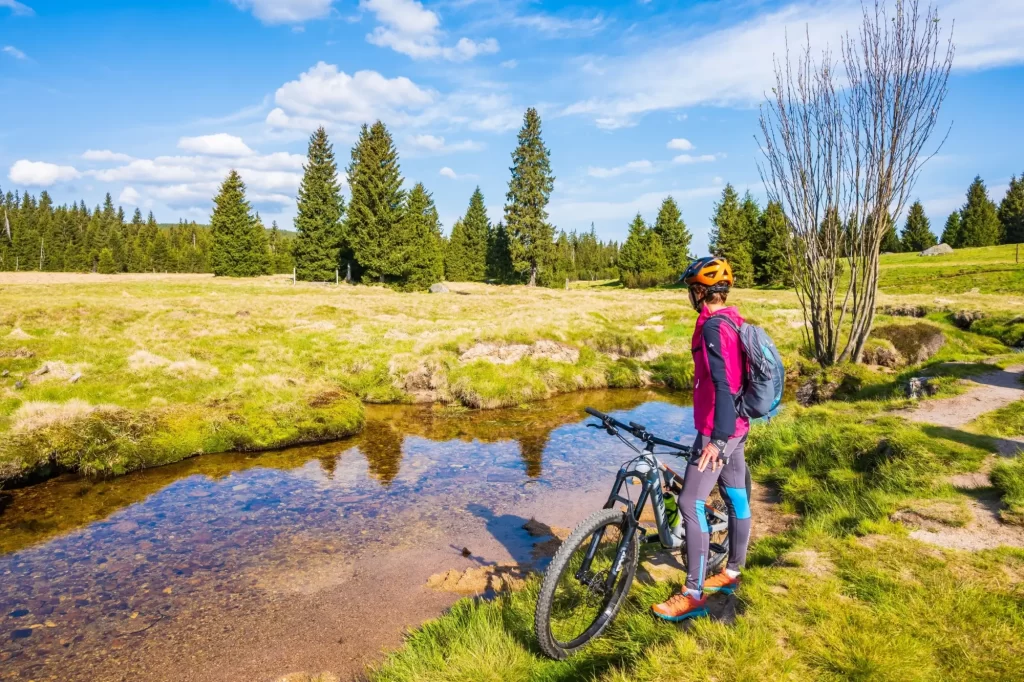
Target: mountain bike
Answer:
[[589, 577]]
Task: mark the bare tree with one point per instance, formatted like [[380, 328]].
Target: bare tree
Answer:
[[842, 153]]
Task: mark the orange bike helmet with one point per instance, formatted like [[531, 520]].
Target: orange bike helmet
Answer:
[[710, 271]]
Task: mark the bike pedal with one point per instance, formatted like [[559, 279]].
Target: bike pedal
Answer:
[[717, 548]]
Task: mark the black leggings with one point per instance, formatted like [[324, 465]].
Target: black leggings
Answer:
[[732, 481]]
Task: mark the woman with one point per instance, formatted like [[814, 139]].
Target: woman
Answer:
[[718, 450]]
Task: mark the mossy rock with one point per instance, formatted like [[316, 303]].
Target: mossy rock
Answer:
[[881, 352], [916, 342]]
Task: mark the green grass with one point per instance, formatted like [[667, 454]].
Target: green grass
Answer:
[[1008, 478], [1007, 421], [989, 270]]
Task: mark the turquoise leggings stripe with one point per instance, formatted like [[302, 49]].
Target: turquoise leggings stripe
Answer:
[[739, 501]]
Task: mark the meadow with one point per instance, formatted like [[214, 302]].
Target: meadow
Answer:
[[108, 373]]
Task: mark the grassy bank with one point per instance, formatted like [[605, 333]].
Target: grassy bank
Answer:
[[106, 374], [846, 595]]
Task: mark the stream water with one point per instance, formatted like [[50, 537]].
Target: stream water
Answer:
[[201, 569]]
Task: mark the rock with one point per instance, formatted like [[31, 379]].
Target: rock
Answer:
[[915, 342], [965, 318], [19, 385], [904, 310], [73, 379], [45, 369], [438, 288], [881, 352], [466, 552], [937, 250], [918, 387]]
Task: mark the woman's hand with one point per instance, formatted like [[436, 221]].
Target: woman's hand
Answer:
[[710, 454]]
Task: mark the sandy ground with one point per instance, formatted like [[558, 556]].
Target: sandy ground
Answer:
[[989, 392]]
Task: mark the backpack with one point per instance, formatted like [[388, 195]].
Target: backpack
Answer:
[[765, 376]]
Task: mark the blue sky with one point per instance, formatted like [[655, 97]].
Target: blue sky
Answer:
[[639, 99]]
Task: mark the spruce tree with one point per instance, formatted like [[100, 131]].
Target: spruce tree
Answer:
[[236, 234], [675, 238], [642, 261], [1011, 212], [890, 240], [456, 257], [529, 189], [771, 261], [951, 232], [730, 236], [917, 232], [476, 226], [979, 220], [320, 209], [376, 205], [424, 261], [499, 260]]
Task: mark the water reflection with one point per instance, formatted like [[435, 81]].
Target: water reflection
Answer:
[[85, 563]]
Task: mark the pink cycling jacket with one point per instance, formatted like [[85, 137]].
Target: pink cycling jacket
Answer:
[[717, 375]]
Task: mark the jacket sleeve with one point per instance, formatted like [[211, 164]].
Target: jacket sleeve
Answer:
[[725, 406]]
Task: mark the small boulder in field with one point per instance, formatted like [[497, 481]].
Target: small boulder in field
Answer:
[[904, 310], [937, 250], [915, 342], [965, 318], [919, 387], [881, 352], [438, 288]]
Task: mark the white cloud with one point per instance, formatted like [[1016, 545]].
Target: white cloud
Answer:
[[220, 144], [642, 166], [447, 172], [733, 66], [15, 52], [680, 144], [17, 8], [410, 29], [558, 26], [325, 94], [285, 11], [437, 145], [106, 155], [691, 158], [130, 196], [40, 173], [509, 64]]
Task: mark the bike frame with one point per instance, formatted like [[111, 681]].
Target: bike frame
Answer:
[[653, 477]]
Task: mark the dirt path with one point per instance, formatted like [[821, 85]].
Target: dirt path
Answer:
[[988, 392]]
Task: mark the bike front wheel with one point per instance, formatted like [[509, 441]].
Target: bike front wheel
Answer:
[[578, 601]]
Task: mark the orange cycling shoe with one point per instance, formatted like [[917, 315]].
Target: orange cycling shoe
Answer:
[[680, 607], [722, 583]]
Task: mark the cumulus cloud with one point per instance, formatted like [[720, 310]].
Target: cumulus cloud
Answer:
[[407, 27], [17, 8], [693, 158], [642, 166], [323, 94], [106, 155], [130, 196], [680, 144], [220, 144], [734, 65], [447, 172], [15, 52], [285, 11], [40, 173], [437, 145]]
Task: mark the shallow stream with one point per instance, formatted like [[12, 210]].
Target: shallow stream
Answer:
[[171, 573]]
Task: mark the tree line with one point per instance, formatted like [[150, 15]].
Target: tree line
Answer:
[[37, 235], [388, 235]]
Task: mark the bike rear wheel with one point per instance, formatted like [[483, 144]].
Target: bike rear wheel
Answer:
[[576, 606]]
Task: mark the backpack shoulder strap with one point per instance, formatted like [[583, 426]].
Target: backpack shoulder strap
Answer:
[[728, 320]]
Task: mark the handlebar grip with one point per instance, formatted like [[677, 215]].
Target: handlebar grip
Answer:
[[596, 413]]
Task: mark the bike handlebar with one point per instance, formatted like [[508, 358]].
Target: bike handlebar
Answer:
[[636, 430]]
